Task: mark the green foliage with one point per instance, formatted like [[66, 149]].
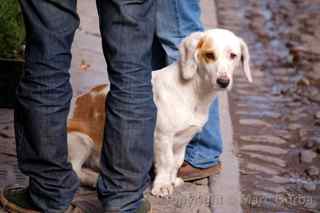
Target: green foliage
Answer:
[[12, 32]]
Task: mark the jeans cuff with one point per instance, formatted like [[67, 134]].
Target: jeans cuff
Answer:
[[201, 163]]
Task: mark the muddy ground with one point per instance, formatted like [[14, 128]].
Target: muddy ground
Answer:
[[277, 118]]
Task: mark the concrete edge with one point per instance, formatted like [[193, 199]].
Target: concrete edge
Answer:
[[225, 187]]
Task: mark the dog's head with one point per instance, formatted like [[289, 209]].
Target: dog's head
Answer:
[[214, 55]]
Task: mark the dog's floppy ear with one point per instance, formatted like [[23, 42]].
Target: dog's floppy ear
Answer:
[[245, 59], [188, 55]]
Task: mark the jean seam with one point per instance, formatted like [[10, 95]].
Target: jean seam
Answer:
[[178, 18]]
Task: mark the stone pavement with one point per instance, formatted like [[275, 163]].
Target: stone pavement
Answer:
[[215, 194], [276, 122]]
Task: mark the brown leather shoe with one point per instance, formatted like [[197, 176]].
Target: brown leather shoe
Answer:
[[190, 173]]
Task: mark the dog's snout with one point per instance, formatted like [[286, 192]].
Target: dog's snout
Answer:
[[223, 82]]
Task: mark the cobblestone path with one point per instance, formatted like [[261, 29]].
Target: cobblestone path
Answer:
[[9, 173], [275, 119]]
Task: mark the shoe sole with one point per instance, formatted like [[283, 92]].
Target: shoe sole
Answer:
[[12, 208]]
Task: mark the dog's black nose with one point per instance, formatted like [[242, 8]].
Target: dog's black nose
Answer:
[[223, 82]]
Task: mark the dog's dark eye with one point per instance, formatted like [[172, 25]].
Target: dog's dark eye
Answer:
[[233, 55], [210, 56]]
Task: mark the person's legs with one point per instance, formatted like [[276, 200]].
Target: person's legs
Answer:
[[176, 19], [43, 98], [127, 29]]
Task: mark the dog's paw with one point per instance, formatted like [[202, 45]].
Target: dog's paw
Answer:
[[162, 190], [178, 182]]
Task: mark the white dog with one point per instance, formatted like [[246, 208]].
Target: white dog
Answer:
[[183, 93]]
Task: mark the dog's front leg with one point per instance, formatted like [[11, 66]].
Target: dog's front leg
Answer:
[[179, 154], [164, 165]]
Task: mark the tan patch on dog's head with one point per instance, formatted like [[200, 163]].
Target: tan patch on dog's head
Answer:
[[206, 51]]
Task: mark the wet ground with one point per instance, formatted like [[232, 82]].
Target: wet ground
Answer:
[[9, 173], [277, 118]]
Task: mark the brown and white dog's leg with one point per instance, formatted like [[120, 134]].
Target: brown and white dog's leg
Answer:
[[88, 177], [80, 147]]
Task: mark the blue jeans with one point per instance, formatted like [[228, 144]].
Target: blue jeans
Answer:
[[176, 19], [44, 93]]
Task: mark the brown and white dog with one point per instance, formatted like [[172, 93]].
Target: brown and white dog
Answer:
[[182, 92]]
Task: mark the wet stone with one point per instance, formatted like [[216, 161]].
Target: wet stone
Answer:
[[297, 117], [313, 171], [243, 86], [263, 99], [264, 148], [281, 133], [312, 206], [281, 99], [245, 92], [277, 189], [260, 114], [292, 146], [284, 71], [263, 139], [294, 126], [283, 79], [287, 136], [263, 169], [274, 160], [307, 156], [259, 73], [279, 89], [298, 110], [303, 133], [309, 145], [313, 94], [254, 122], [309, 187], [256, 106], [316, 140], [274, 62], [280, 180], [7, 132], [314, 75], [293, 104]]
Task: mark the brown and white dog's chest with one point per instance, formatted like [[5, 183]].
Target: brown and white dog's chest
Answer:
[[88, 115]]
